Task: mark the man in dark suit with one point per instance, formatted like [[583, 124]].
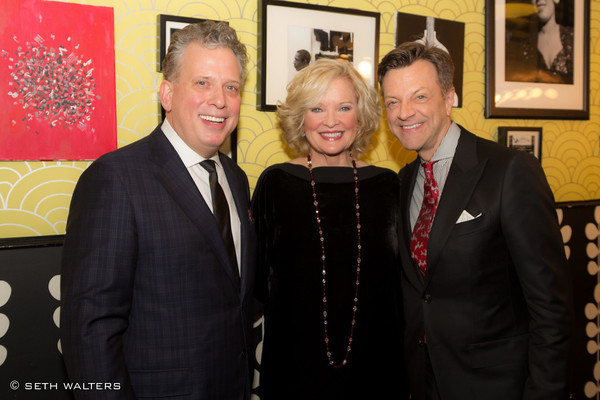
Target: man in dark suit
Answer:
[[485, 281], [153, 303]]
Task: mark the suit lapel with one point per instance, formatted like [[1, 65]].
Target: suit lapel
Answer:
[[175, 178], [465, 172]]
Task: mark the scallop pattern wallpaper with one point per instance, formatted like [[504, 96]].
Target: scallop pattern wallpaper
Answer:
[[35, 196]]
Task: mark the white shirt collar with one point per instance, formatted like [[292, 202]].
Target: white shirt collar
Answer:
[[447, 147], [186, 153]]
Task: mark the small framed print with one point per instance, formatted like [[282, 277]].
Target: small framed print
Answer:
[[522, 138]]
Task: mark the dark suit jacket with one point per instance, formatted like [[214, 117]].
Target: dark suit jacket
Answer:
[[149, 299], [495, 301]]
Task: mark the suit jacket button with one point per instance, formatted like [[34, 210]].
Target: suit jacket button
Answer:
[[427, 298], [421, 342], [243, 354]]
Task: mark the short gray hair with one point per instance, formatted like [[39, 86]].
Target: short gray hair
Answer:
[[209, 34]]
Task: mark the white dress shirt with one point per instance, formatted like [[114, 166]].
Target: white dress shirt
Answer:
[[191, 160]]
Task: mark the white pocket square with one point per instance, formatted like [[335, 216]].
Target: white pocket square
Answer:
[[465, 216]]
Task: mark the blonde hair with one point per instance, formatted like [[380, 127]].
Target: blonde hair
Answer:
[[306, 90]]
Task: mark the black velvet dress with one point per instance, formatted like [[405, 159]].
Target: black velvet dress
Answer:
[[294, 362]]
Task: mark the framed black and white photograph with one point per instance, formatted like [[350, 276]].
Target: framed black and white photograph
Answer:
[[537, 63], [522, 138], [294, 35], [445, 34], [169, 24]]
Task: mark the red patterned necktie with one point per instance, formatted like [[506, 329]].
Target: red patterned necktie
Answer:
[[420, 234]]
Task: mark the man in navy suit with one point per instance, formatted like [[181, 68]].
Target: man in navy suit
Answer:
[[153, 305], [487, 315]]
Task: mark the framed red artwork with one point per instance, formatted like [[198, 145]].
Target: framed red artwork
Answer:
[[57, 81]]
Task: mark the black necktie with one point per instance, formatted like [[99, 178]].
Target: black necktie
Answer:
[[221, 211]]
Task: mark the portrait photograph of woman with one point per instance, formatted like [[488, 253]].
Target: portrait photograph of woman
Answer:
[[539, 41]]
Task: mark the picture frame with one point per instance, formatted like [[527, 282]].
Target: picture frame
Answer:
[[169, 24], [518, 82], [322, 31], [446, 34], [521, 138]]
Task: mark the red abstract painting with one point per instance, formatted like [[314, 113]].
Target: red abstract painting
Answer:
[[57, 81]]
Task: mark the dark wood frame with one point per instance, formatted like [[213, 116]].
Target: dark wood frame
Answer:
[[505, 133], [171, 22], [557, 107], [297, 13]]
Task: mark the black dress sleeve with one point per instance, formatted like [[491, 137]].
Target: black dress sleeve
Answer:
[[262, 208]]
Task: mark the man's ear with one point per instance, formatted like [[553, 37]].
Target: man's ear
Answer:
[[166, 95], [449, 100]]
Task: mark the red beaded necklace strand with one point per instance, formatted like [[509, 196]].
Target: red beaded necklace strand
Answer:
[[324, 271]]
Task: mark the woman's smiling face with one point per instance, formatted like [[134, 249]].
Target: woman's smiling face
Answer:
[[331, 126]]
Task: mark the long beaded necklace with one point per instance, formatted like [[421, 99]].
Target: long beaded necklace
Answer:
[[324, 271]]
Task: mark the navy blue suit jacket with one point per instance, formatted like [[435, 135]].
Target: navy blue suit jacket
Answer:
[[495, 302], [149, 299]]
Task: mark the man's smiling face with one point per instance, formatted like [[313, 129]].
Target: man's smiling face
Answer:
[[203, 104], [418, 113]]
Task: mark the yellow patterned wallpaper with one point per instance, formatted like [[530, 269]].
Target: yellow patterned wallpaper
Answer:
[[34, 196]]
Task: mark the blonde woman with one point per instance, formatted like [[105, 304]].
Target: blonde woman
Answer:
[[328, 268]]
